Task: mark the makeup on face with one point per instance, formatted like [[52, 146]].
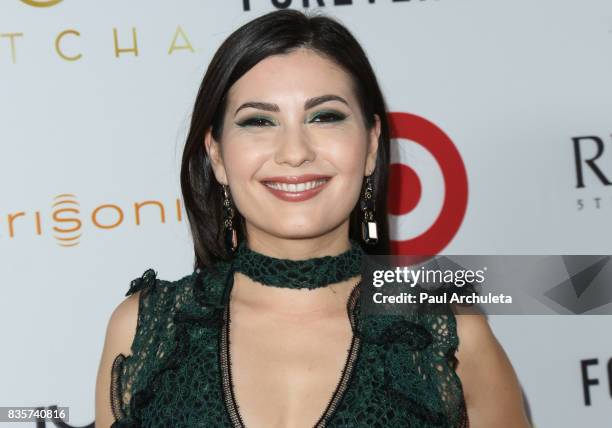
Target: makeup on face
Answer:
[[296, 188]]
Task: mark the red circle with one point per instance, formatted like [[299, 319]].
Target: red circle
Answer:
[[404, 189], [433, 139]]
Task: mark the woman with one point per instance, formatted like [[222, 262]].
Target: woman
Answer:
[[284, 183]]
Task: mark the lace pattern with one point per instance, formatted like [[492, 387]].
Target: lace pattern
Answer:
[[403, 375], [157, 303]]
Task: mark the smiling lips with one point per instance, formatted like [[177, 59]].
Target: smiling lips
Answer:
[[296, 188]]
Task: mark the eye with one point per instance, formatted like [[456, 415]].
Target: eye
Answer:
[[258, 122], [328, 116]]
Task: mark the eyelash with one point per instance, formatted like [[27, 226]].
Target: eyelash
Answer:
[[337, 117], [253, 121]]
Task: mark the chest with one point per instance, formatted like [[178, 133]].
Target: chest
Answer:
[[285, 370]]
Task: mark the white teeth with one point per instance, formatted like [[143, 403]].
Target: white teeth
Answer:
[[299, 187]]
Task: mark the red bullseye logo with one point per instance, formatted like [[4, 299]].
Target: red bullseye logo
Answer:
[[406, 189]]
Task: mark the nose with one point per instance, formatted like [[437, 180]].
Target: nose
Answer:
[[294, 147]]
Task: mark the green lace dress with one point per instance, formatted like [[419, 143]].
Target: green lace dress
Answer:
[[399, 371]]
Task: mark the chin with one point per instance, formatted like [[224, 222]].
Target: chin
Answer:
[[297, 230]]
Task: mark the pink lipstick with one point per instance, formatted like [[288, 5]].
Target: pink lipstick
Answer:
[[296, 188]]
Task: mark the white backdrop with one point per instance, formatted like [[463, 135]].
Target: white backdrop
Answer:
[[97, 131]]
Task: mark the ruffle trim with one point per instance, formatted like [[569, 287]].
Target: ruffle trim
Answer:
[[147, 280], [209, 315], [410, 331]]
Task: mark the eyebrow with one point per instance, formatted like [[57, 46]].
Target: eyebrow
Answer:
[[310, 103]]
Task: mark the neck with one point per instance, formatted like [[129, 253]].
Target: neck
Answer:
[[333, 243], [309, 273], [289, 304], [295, 289]]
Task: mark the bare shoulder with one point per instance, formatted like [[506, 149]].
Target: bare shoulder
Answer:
[[121, 326], [120, 333], [491, 388]]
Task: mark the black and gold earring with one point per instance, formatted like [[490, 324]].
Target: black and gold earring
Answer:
[[369, 231], [231, 237]]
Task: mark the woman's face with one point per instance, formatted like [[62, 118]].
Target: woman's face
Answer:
[[289, 116]]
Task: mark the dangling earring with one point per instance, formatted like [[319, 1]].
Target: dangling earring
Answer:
[[231, 238], [369, 231]]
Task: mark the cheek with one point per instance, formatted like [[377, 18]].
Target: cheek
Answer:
[[347, 158], [241, 165], [347, 152], [242, 159]]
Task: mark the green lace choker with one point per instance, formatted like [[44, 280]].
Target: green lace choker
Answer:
[[309, 273]]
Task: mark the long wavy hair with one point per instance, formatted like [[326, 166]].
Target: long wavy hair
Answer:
[[274, 33]]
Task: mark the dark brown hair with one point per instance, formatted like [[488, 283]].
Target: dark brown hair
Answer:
[[275, 33]]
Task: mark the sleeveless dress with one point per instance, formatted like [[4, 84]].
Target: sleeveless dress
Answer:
[[399, 371]]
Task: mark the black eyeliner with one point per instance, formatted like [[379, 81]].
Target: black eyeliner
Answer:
[[339, 116]]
